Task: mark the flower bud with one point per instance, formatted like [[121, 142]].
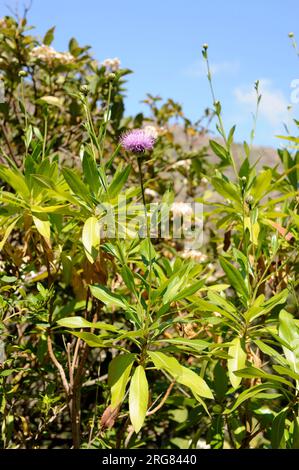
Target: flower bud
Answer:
[[291, 35], [249, 200], [217, 409], [111, 77], [22, 73], [84, 89], [204, 51]]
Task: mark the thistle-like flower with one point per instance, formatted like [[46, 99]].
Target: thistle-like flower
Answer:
[[137, 141]]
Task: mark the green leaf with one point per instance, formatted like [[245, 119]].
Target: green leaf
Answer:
[[93, 340], [197, 344], [247, 394], [76, 185], [227, 309], [74, 47], [192, 380], [295, 444], [189, 290], [289, 333], [118, 182], [43, 226], [234, 277], [162, 361], [181, 374], [220, 381], [277, 430], [226, 189], [138, 398], [49, 36], [216, 432], [271, 352], [80, 322], [237, 361], [231, 136], [118, 375], [285, 371], [16, 180], [107, 297], [173, 287], [260, 307], [90, 172], [91, 238], [261, 185], [252, 372], [128, 278], [219, 150], [7, 232]]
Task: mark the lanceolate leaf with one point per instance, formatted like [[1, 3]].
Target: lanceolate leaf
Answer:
[[181, 374], [119, 181], [118, 376], [277, 430], [43, 226], [138, 398], [107, 297], [91, 238], [237, 361], [7, 232], [234, 277], [262, 185], [80, 322], [289, 332]]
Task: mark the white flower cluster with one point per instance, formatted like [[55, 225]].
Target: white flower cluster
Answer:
[[111, 65], [196, 255], [49, 55], [183, 164], [151, 192], [151, 131], [181, 208]]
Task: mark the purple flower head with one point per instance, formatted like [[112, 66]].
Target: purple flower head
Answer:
[[137, 141]]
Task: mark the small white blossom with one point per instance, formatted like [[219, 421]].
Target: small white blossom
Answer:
[[111, 65], [150, 192], [151, 131], [196, 255], [183, 164], [49, 55], [181, 208]]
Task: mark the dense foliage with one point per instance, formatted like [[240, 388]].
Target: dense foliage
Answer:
[[126, 342]]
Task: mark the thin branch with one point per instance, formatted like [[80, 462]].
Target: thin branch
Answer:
[[57, 364], [158, 407]]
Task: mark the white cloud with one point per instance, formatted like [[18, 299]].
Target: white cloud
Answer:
[[199, 68], [273, 105]]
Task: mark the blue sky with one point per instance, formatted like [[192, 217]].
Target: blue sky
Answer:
[[160, 40]]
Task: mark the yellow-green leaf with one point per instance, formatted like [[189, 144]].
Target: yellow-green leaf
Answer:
[[7, 232], [118, 376], [138, 398], [181, 374], [43, 227], [237, 361], [91, 238], [52, 100], [192, 380]]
